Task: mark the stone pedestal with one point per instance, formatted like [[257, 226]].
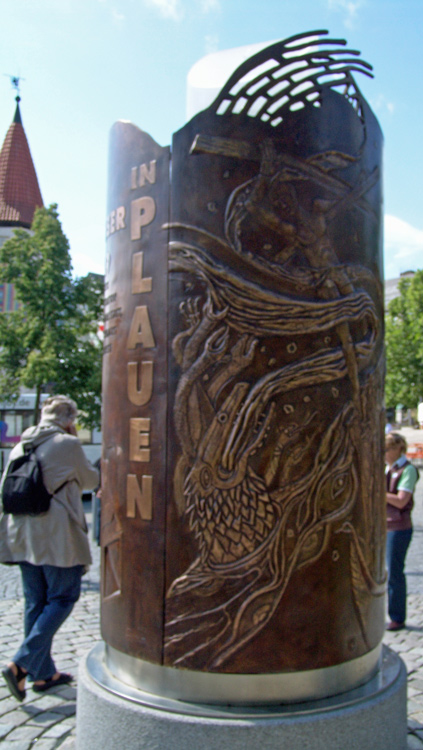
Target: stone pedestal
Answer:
[[113, 715]]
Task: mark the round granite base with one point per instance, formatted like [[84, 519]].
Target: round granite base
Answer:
[[111, 715]]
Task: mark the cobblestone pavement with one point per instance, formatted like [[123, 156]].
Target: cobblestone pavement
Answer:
[[46, 722]]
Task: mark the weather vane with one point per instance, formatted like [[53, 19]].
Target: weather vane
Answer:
[[14, 80]]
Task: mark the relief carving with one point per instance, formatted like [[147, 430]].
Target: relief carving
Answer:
[[278, 403]]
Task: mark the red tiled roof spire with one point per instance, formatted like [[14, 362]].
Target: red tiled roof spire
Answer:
[[19, 190]]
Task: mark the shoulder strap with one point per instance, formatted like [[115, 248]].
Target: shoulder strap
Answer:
[[61, 486], [31, 448]]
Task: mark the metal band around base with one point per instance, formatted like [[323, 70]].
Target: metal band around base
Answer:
[[240, 689]]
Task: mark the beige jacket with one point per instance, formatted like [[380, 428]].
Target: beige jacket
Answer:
[[58, 537]]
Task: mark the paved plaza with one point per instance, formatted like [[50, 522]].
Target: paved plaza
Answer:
[[47, 721]]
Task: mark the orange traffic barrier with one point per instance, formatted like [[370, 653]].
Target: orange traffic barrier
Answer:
[[415, 451]]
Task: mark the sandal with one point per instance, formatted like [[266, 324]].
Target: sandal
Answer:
[[62, 679], [12, 681]]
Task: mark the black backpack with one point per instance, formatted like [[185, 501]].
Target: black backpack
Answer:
[[23, 490]]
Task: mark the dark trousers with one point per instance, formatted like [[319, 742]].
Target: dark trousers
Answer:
[[50, 593], [397, 544]]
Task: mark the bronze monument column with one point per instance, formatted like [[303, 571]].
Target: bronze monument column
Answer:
[[243, 502]]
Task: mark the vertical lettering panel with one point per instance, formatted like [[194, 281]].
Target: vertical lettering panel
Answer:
[[134, 394]]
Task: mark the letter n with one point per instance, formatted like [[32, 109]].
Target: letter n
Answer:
[[139, 498]]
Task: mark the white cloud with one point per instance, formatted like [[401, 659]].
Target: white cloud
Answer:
[[110, 8], [172, 9], [118, 17], [381, 104], [83, 264], [210, 6], [176, 10], [403, 247], [349, 7], [211, 44]]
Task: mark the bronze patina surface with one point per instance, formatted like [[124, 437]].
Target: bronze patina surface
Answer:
[[134, 395], [265, 547]]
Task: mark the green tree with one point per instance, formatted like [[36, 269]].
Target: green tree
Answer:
[[51, 343], [404, 344]]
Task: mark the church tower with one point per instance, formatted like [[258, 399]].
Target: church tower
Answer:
[[20, 193]]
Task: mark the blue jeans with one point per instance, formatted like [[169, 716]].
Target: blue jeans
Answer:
[[397, 544], [50, 593]]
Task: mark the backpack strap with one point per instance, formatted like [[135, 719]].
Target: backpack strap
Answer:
[[31, 448], [61, 487]]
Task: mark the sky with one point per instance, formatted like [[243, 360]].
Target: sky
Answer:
[[84, 64]]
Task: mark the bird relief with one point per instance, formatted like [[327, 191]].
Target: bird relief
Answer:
[[278, 354]]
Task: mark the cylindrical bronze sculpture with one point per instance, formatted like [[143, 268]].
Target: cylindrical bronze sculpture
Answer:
[[243, 506]]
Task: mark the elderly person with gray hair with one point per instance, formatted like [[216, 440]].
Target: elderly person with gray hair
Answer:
[[51, 549]]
